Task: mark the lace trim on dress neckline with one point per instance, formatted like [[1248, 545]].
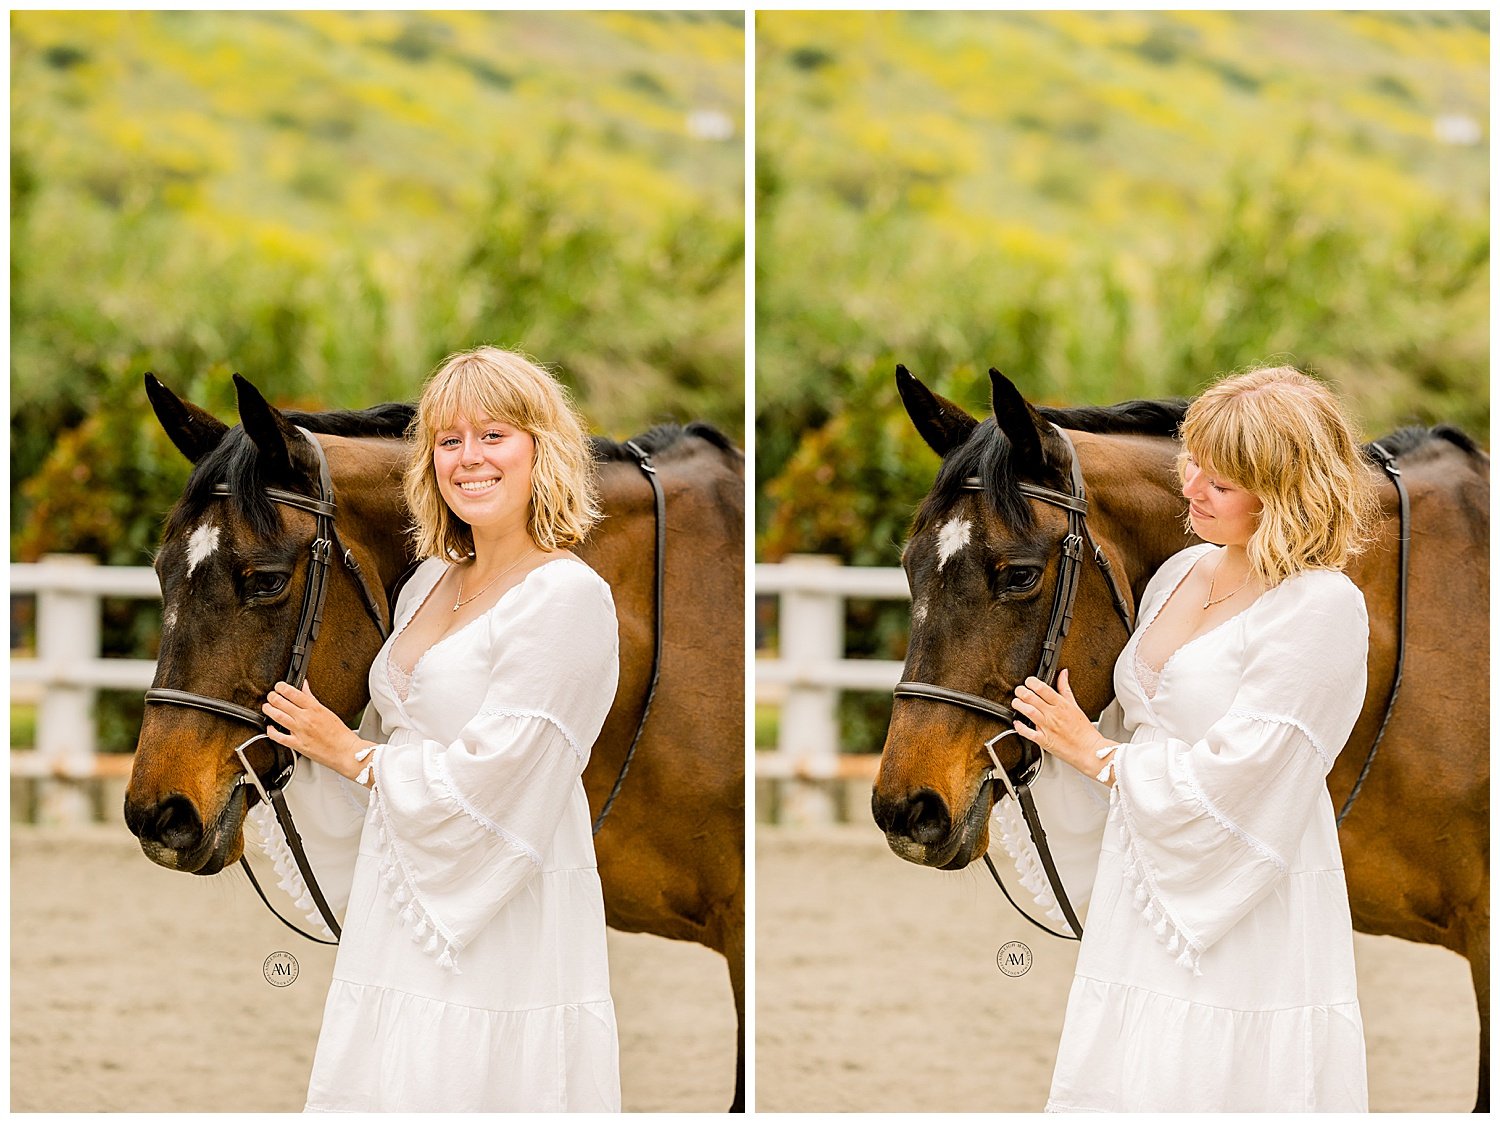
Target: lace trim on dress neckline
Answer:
[[1149, 676]]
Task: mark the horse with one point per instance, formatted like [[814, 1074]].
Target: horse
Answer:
[[671, 850], [1416, 842]]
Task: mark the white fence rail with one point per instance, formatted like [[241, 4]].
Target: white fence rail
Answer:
[[803, 680], [67, 674], [810, 671]]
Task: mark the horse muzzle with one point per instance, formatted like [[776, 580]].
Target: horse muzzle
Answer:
[[172, 832], [922, 828]]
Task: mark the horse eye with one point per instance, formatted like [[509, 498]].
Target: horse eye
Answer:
[[1019, 578], [262, 584]]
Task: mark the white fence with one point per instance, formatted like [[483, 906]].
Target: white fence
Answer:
[[810, 671], [803, 680], [67, 674]]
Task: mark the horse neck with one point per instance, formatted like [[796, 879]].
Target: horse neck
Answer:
[[1135, 501], [372, 506]]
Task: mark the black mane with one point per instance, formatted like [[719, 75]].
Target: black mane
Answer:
[[659, 439], [986, 454], [234, 461], [1152, 418], [1413, 437]]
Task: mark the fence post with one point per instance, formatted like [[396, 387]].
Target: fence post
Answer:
[[68, 634], [812, 632]]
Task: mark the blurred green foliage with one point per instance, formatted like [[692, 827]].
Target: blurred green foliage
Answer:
[[1105, 205], [329, 202]]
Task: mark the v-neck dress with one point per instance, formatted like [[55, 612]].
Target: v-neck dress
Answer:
[[1216, 971], [472, 972]]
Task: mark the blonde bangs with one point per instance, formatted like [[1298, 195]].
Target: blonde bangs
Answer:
[[490, 383], [1284, 437]]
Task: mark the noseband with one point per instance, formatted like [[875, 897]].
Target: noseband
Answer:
[[1070, 567], [325, 539]]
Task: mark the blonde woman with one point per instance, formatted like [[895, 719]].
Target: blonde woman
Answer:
[[472, 973], [1216, 971]]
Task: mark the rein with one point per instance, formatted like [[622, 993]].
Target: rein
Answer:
[[1388, 463], [659, 499], [1070, 567]]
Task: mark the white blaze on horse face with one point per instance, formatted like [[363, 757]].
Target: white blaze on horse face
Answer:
[[952, 537], [201, 544]]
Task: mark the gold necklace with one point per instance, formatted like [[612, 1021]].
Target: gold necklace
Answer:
[[461, 601], [1212, 600]]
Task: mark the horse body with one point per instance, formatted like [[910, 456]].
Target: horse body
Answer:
[[671, 851], [1417, 840]]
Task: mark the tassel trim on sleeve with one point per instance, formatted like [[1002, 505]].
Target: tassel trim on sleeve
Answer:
[[289, 877], [1176, 940], [1023, 855], [397, 887]]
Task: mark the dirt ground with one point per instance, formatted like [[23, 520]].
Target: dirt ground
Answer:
[[877, 990], [137, 989]]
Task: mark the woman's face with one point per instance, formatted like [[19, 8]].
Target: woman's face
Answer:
[[1219, 511], [484, 473]]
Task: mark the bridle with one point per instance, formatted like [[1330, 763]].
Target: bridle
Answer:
[[1070, 568], [325, 542]]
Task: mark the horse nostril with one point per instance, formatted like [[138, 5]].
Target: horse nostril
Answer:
[[177, 825], [927, 820]]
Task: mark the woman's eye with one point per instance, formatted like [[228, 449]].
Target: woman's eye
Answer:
[[265, 584]]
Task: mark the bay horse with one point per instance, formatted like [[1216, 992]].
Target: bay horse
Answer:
[[671, 851], [1416, 843]]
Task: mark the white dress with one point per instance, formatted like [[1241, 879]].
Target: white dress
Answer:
[[1216, 971], [472, 972]]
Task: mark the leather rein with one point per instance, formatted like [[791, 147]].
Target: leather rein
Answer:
[[1070, 568], [314, 596], [1018, 787]]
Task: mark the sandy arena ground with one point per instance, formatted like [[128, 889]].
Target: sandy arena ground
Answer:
[[137, 989], [877, 990]]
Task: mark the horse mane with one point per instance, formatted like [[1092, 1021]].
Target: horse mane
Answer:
[[1149, 417], [662, 439], [234, 461], [986, 454], [1413, 437], [390, 419]]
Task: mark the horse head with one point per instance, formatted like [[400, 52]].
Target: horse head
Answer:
[[232, 570], [983, 561]]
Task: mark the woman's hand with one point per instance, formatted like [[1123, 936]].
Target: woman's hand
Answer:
[[1061, 726], [314, 730]]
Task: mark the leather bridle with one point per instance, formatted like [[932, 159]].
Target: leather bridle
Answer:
[[325, 542], [1070, 567]]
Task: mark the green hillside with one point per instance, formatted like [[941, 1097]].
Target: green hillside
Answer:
[[1105, 205], [329, 202]]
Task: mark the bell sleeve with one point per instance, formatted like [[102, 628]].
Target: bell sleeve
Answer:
[[1211, 826], [466, 824]]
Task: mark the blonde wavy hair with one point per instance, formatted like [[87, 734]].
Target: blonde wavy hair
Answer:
[[1283, 436], [488, 382]]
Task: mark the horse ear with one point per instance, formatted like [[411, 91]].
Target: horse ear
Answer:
[[272, 433], [194, 431], [941, 423], [1020, 422]]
